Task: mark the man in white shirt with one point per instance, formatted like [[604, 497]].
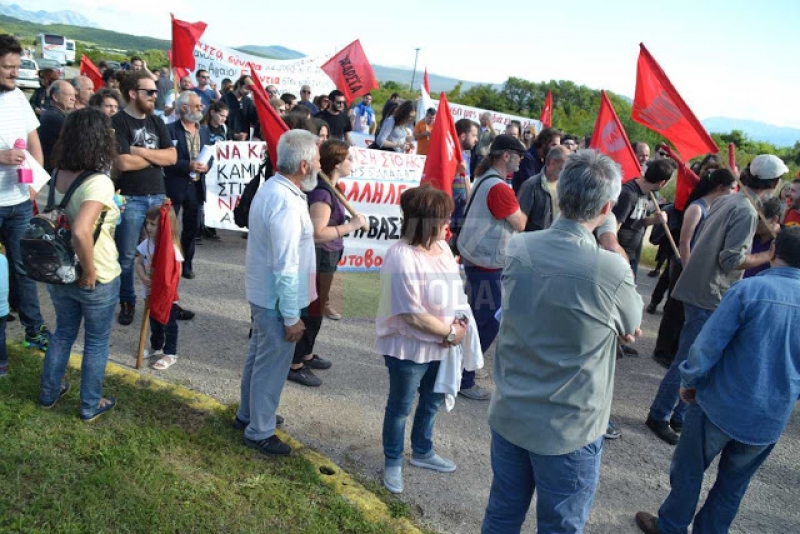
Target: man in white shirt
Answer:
[[18, 123], [280, 269]]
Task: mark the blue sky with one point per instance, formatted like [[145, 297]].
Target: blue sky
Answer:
[[733, 58]]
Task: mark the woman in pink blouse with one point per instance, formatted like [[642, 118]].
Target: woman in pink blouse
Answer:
[[421, 290]]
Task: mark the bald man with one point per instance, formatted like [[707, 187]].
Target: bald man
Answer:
[[84, 89], [62, 101]]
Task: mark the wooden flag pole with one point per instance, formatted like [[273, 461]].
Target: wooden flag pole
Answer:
[[343, 200], [666, 228], [143, 333], [754, 203]]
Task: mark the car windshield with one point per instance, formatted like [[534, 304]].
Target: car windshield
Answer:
[[27, 64], [48, 64]]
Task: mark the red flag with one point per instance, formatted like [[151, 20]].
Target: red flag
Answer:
[[180, 72], [609, 137], [686, 181], [425, 83], [658, 106], [184, 37], [547, 111], [732, 159], [444, 152], [165, 272], [272, 125], [90, 69], [351, 72]]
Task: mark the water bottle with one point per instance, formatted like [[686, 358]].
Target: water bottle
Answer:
[[24, 172]]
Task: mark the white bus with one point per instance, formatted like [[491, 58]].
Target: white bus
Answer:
[[50, 46], [70, 52]]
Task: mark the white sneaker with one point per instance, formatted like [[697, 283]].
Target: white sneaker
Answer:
[[434, 463], [393, 478], [150, 354]]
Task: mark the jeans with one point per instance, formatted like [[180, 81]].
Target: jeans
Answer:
[[165, 336], [406, 378], [264, 374], [327, 263], [483, 293], [3, 349], [565, 486], [96, 308], [701, 442], [127, 238], [183, 194], [13, 224], [667, 403]]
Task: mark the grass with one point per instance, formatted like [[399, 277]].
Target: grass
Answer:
[[157, 463]]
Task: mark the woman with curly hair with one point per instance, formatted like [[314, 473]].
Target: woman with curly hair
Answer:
[[397, 132]]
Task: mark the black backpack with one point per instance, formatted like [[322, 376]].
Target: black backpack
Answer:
[[241, 212], [46, 247]]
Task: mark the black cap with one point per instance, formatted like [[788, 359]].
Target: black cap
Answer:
[[505, 142]]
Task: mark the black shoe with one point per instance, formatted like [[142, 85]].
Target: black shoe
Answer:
[[238, 424], [10, 318], [651, 308], [189, 275], [676, 425], [629, 351], [663, 360], [654, 273], [184, 315], [662, 430], [318, 363], [647, 523], [126, 312], [272, 446], [305, 377]]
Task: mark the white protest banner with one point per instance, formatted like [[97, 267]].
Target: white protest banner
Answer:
[[287, 75], [235, 164], [500, 120]]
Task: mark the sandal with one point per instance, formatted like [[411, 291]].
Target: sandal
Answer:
[[167, 361]]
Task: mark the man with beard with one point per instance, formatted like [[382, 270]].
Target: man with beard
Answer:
[[185, 181], [241, 111], [84, 89], [336, 118], [467, 132], [205, 90], [16, 208], [145, 148], [280, 268], [62, 101]]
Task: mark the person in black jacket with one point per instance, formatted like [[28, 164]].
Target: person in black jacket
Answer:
[[241, 110], [62, 101], [537, 196]]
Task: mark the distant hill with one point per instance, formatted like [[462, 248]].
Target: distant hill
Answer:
[[44, 17], [759, 131], [272, 52]]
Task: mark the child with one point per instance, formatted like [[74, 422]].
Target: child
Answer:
[[163, 338], [3, 313]]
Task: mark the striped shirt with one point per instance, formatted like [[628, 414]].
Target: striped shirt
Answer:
[[18, 121]]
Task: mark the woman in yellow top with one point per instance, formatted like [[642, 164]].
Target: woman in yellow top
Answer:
[[86, 143]]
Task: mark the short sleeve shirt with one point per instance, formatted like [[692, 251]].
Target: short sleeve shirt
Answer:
[[501, 201], [338, 124], [630, 209], [321, 194], [150, 133], [18, 120]]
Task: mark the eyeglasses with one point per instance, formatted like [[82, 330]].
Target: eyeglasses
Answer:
[[149, 92]]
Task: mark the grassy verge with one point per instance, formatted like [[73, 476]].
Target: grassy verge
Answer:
[[157, 463]]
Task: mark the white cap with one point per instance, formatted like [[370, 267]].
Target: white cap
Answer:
[[767, 167]]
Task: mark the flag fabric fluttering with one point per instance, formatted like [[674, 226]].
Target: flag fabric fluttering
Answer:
[[609, 137], [184, 38], [546, 117], [425, 83], [659, 107], [686, 180], [88, 68], [180, 72], [165, 273], [444, 150], [272, 125], [351, 71]]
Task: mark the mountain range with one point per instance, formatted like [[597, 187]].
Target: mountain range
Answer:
[[71, 18]]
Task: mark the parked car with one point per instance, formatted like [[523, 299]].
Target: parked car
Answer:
[[28, 77], [51, 64], [115, 65]]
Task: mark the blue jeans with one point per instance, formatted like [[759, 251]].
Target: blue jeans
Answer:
[[96, 308], [483, 293], [3, 349], [264, 374], [667, 399], [127, 237], [565, 486], [701, 442], [405, 379], [13, 224]]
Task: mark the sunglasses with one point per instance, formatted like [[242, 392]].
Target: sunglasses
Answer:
[[338, 102], [149, 92]]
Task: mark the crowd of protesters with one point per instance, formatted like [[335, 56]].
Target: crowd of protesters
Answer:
[[549, 239]]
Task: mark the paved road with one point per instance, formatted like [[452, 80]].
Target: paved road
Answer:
[[343, 418]]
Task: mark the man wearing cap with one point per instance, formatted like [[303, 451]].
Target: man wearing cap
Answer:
[[491, 218], [422, 131], [719, 257]]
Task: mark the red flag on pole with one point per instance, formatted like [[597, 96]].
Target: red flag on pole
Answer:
[[165, 272], [425, 83], [184, 37], [272, 125], [547, 111], [90, 69], [180, 72], [609, 137], [444, 152], [351, 72], [686, 181], [732, 159], [658, 106]]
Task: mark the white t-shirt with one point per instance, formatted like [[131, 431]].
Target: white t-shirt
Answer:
[[169, 102], [17, 120], [146, 249]]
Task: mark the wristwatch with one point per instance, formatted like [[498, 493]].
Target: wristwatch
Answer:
[[449, 338]]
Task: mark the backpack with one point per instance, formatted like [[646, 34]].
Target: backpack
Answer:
[[46, 247], [241, 213]]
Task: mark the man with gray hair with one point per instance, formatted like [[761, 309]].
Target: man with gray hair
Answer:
[[486, 134], [62, 101], [537, 196], [563, 313], [280, 268], [84, 89]]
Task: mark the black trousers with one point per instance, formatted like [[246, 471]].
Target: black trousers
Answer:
[[669, 331], [327, 263], [183, 194], [165, 336]]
